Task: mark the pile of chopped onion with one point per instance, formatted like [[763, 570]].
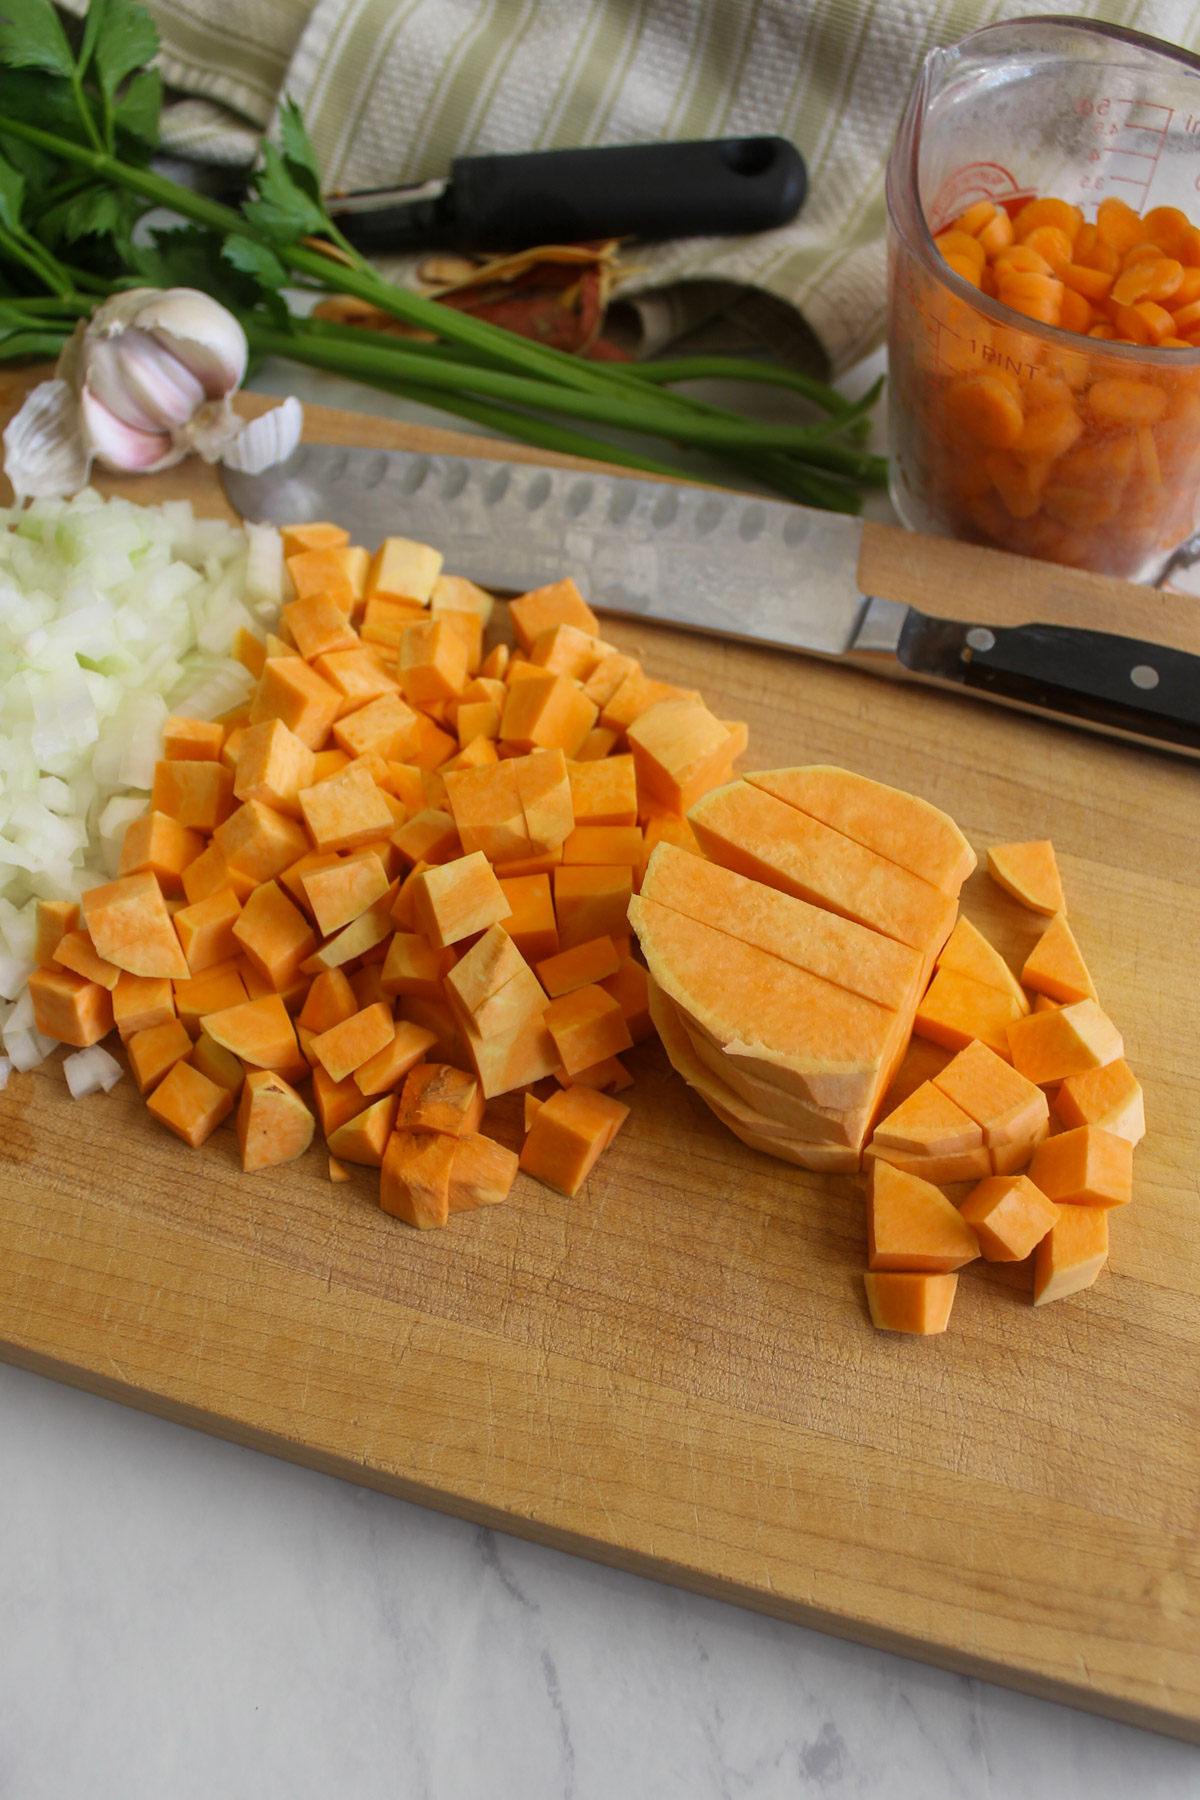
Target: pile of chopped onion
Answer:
[[112, 617]]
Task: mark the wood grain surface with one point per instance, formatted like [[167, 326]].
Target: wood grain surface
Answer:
[[674, 1372]]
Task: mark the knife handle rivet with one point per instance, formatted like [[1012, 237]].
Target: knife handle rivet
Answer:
[[1143, 676], [980, 638]]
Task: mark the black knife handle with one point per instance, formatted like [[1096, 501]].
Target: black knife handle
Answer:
[[1116, 682]]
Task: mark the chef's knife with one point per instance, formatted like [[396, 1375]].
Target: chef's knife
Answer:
[[706, 187], [761, 571]]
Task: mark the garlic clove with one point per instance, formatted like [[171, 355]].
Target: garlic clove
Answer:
[[118, 445], [211, 429], [267, 440], [205, 337], [45, 455], [140, 381]]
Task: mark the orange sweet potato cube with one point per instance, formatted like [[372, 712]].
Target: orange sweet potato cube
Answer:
[[604, 793], [155, 1051], [609, 1074], [903, 1301], [189, 1104], [384, 1071], [363, 1139], [289, 690], [467, 625], [517, 1058], [140, 1001], [386, 621], [346, 1046], [1071, 1254], [569, 1132], [1055, 966], [912, 1225], [546, 712], [273, 765], [1084, 1167], [531, 924], [341, 891], [54, 918], [319, 622], [75, 951], [591, 902], [360, 938], [602, 844], [1029, 872], [476, 720], [259, 842], [209, 874], [481, 1173], [402, 569], [678, 749], [345, 812], [386, 726], [335, 1101], [206, 930], [434, 746], [68, 1008], [565, 650], [430, 837], [636, 694], [162, 846], [198, 795], [130, 926], [260, 1032], [928, 1123], [275, 935], [576, 968], [1110, 1097], [192, 740], [475, 981], [1009, 1216], [329, 1000], [220, 1065], [356, 675], [313, 534], [487, 809], [457, 899], [273, 1124], [544, 789], [414, 966], [414, 1182], [559, 604], [587, 1026], [214, 991], [608, 675], [433, 662], [437, 1097], [630, 988], [1050, 1046], [320, 571], [1008, 1108], [956, 1008]]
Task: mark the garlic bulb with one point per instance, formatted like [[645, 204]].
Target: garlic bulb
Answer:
[[146, 380]]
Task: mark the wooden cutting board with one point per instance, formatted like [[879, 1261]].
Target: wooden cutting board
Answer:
[[674, 1372]]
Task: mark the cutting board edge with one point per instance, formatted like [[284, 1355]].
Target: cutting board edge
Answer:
[[1101, 1703]]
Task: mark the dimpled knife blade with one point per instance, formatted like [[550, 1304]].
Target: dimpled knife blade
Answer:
[[760, 570]]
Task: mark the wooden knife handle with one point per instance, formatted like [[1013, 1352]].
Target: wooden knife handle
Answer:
[[989, 587]]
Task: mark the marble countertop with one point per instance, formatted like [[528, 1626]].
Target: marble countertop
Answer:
[[181, 1618]]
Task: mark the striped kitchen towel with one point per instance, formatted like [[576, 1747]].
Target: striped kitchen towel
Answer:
[[393, 90]]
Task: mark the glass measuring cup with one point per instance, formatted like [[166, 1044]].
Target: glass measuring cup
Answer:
[[1082, 111]]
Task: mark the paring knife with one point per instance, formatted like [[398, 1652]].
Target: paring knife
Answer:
[[761, 571], [702, 187]]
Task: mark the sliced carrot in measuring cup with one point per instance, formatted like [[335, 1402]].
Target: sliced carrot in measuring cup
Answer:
[[1047, 211], [985, 408], [1126, 402], [1119, 226], [1153, 278]]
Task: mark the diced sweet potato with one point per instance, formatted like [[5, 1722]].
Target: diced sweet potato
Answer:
[[206, 930], [605, 844], [346, 1046], [197, 795], [967, 952], [1029, 872], [918, 1304], [259, 842], [591, 901], [259, 1031], [433, 662], [275, 935], [1009, 1216], [436, 1097], [315, 534], [273, 1123], [544, 790], [609, 1074], [384, 1071], [1008, 1107], [189, 1104], [565, 650], [455, 593], [346, 812], [387, 726], [140, 1001], [340, 891], [956, 1008], [546, 712], [414, 966], [531, 923], [1055, 965], [337, 1172], [1072, 1253], [288, 689], [604, 681], [320, 571], [1049, 1046], [77, 952], [321, 622], [155, 1051], [911, 1225], [586, 963], [430, 837], [1085, 1167], [928, 1123], [636, 695], [161, 845], [192, 740], [1110, 1097], [587, 1026], [363, 1139], [215, 991], [53, 919], [273, 765], [210, 873], [679, 750], [481, 1173], [402, 569], [68, 1008], [488, 811], [130, 926], [561, 603], [360, 938], [414, 1182], [940, 1169], [329, 1000], [478, 977], [630, 990], [569, 1132], [218, 1064], [357, 675], [457, 899], [604, 792]]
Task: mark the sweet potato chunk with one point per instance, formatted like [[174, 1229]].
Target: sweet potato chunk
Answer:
[[604, 792], [1008, 1107], [75, 951], [561, 603], [197, 795], [457, 899], [206, 930], [275, 935], [1029, 872], [544, 791], [911, 1225], [218, 1064], [591, 901], [481, 1173], [1085, 1167], [260, 1032], [1110, 1097], [478, 977], [363, 1139], [928, 1123], [388, 1067], [918, 1304], [402, 569], [189, 1104], [192, 740], [1055, 965], [346, 812], [569, 1132], [414, 1181], [289, 690], [967, 952], [347, 1046], [587, 1026], [586, 963], [679, 751], [154, 1052], [899, 826], [139, 1001], [259, 842], [957, 1008], [437, 1097], [488, 812], [128, 922], [161, 845], [340, 891], [273, 1123], [630, 989], [68, 1008], [273, 765], [1072, 1253], [546, 712], [1049, 1046], [1009, 1215]]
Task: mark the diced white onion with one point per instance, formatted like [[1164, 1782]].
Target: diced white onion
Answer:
[[6, 1069], [89, 1071]]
